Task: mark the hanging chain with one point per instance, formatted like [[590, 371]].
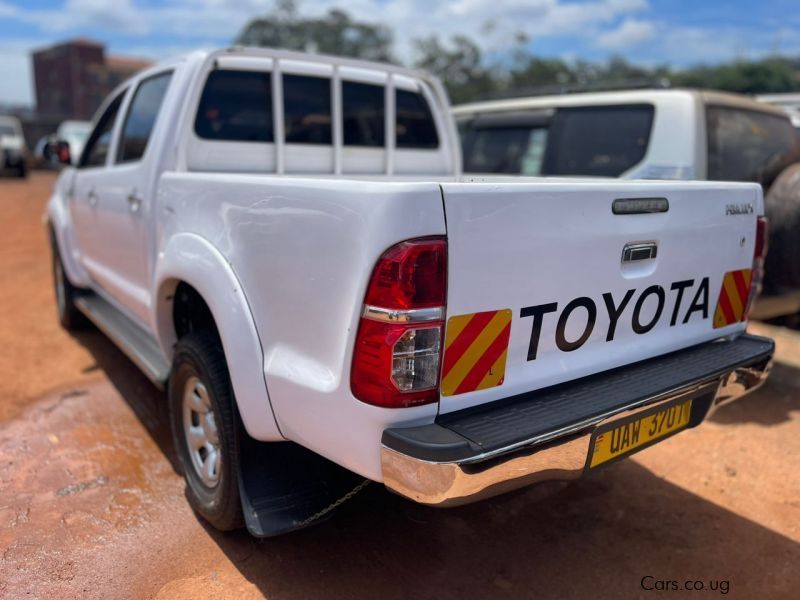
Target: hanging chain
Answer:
[[336, 504]]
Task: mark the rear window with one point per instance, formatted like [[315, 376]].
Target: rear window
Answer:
[[602, 141], [745, 145], [235, 106], [414, 127], [363, 114], [307, 109]]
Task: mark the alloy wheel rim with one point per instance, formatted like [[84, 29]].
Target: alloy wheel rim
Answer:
[[200, 432]]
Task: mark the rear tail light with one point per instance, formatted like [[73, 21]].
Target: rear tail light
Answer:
[[397, 355], [759, 253]]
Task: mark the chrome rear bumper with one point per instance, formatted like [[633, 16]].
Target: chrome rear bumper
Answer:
[[410, 458]]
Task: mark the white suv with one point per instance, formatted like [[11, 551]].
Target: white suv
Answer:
[[12, 146], [637, 134]]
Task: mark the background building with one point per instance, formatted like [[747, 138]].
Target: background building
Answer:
[[72, 78]]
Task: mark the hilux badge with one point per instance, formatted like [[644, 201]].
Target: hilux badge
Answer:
[[738, 209]]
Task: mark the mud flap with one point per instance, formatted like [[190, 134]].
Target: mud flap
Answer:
[[283, 485]]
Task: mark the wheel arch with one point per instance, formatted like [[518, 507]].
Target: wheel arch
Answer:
[[190, 262], [58, 223]]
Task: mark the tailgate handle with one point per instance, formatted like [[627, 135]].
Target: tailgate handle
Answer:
[[639, 251]]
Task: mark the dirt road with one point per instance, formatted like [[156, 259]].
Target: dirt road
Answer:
[[91, 506]]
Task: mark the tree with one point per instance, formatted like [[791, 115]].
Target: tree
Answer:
[[459, 65], [471, 71], [334, 33], [769, 75]]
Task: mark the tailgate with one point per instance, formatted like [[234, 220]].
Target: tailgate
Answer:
[[547, 284]]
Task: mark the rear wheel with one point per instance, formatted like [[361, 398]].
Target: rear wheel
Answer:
[[22, 170], [69, 316], [205, 429], [782, 208]]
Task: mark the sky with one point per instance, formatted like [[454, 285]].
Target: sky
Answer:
[[674, 32]]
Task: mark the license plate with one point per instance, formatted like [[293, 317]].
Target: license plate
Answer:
[[639, 431]]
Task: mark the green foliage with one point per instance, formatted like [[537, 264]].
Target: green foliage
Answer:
[[335, 33], [470, 73], [459, 66], [771, 75]]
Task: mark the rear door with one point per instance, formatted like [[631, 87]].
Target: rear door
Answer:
[[124, 200], [547, 284]]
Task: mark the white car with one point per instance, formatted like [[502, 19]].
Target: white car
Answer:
[[633, 134], [13, 152], [789, 103], [74, 133], [283, 242]]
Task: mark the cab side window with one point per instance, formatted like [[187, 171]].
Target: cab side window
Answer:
[[363, 114], [236, 106], [307, 109], [414, 127], [141, 117], [598, 141], [96, 149]]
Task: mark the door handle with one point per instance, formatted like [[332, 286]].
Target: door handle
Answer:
[[640, 251], [134, 202], [92, 197]]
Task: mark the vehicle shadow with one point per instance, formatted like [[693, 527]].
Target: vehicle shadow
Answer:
[[597, 537], [600, 536], [148, 403], [770, 404]]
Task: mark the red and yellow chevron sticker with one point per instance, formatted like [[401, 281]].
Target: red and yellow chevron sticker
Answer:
[[475, 350], [732, 298]]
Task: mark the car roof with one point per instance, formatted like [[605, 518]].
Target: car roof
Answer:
[[614, 97], [309, 57]]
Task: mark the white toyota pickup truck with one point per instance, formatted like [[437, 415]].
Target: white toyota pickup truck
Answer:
[[283, 243]]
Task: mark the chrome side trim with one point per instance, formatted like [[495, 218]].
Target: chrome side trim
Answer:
[[418, 315], [563, 458]]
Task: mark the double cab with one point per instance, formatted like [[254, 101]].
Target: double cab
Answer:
[[284, 243]]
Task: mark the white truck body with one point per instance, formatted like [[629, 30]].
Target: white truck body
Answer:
[[789, 103], [280, 241]]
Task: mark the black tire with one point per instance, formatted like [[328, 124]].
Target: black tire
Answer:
[[22, 170], [782, 208], [69, 316], [199, 357]]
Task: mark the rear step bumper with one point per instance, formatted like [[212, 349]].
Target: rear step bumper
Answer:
[[546, 434]]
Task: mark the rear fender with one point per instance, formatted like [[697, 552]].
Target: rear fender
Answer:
[[191, 259]]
